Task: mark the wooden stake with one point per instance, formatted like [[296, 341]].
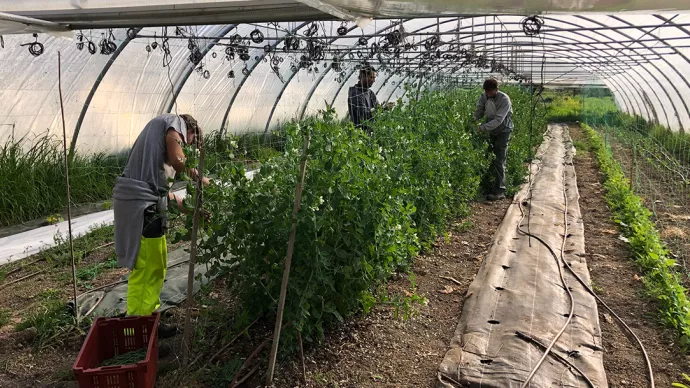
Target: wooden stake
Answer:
[[69, 202], [192, 258], [288, 261], [632, 169], [301, 353]]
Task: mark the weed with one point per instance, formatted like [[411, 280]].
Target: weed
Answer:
[[48, 318], [595, 287], [107, 205], [5, 317], [86, 275], [681, 385], [49, 294]]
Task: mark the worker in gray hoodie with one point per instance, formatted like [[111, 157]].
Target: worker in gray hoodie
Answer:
[[140, 203], [498, 110]]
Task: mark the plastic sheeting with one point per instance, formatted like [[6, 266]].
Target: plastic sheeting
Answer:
[[108, 99], [518, 289]]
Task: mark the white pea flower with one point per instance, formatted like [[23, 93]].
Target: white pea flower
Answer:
[[320, 200]]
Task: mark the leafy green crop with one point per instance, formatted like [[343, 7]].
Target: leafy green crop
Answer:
[[369, 204], [661, 280]]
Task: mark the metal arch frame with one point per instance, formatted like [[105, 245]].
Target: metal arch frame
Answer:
[[550, 38], [224, 126], [668, 123], [94, 89], [638, 101], [323, 74], [342, 84], [677, 52], [190, 66], [292, 76], [494, 33]]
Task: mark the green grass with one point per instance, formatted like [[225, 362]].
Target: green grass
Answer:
[[661, 278], [83, 245], [49, 318], [86, 275], [5, 316], [32, 179]]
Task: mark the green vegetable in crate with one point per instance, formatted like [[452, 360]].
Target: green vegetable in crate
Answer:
[[128, 358]]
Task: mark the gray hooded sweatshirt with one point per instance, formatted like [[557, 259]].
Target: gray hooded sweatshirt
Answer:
[[143, 183], [498, 111]]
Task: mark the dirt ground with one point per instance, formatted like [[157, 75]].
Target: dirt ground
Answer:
[[618, 283], [379, 349]]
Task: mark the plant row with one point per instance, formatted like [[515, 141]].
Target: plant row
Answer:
[[660, 277], [369, 205]]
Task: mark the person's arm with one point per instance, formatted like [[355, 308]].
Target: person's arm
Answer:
[[479, 110], [501, 113], [176, 158]]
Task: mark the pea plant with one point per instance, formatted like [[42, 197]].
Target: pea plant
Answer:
[[370, 204]]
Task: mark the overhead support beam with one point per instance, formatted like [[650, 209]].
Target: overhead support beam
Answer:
[[224, 125], [94, 88], [191, 66]]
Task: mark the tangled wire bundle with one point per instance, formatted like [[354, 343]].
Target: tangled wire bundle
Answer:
[[257, 36], [531, 25], [35, 48]]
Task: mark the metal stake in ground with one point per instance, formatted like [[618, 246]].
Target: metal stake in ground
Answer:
[[288, 261], [192, 258], [69, 211]]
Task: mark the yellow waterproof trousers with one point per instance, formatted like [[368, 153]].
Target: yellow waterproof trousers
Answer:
[[147, 276]]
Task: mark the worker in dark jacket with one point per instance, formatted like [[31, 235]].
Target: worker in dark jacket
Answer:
[[361, 101], [498, 110]]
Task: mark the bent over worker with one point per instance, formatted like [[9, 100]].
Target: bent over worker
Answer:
[[498, 110], [140, 203]]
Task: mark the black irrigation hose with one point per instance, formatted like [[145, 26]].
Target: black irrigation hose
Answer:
[[589, 289], [560, 274]]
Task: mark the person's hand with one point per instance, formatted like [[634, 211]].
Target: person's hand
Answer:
[[479, 128]]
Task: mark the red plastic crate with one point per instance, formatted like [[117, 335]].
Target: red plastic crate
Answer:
[[110, 337]]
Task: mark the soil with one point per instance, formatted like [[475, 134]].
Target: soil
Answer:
[[619, 284], [380, 350]]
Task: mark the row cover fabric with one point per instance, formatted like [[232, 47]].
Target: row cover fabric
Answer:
[[518, 289]]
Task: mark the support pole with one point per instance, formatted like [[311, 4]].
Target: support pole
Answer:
[[69, 202], [288, 261], [186, 337]]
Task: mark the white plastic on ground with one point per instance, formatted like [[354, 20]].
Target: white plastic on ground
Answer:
[[25, 244]]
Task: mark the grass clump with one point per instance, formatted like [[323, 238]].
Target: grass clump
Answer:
[[49, 318], [5, 316], [32, 178], [634, 219]]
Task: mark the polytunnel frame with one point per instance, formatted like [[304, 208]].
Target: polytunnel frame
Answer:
[[292, 76], [583, 65], [493, 36], [628, 87], [226, 116], [628, 84]]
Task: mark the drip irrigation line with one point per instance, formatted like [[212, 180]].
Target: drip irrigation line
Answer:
[[560, 358], [650, 371], [560, 274]]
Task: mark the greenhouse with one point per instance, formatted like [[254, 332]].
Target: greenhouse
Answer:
[[328, 193]]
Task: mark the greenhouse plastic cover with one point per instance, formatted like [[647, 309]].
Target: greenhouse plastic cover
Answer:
[[642, 59]]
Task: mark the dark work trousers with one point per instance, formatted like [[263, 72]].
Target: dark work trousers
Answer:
[[499, 146]]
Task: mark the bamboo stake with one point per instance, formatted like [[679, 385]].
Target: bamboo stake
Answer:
[[69, 210], [192, 258], [288, 261]]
